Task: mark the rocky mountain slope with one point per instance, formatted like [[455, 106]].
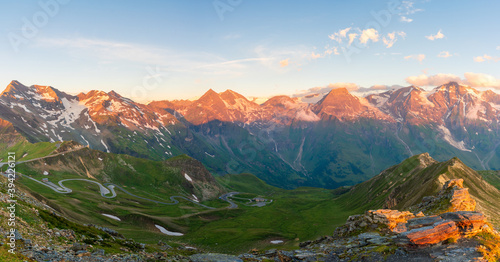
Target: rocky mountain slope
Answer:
[[314, 144]]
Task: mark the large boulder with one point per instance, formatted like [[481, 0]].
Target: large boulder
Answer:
[[458, 220], [429, 235], [469, 223]]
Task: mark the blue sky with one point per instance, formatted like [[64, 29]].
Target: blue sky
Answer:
[[152, 50]]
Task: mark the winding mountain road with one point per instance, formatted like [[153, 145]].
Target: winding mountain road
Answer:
[[226, 197], [109, 188]]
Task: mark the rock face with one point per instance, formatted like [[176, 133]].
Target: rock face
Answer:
[[433, 234], [418, 230], [452, 197]]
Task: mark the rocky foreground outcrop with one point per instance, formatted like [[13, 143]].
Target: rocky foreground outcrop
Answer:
[[448, 219]]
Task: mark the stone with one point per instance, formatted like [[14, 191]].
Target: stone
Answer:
[[400, 228], [461, 200], [99, 252], [469, 223], [83, 254], [423, 221], [458, 183], [388, 217], [78, 246], [430, 235]]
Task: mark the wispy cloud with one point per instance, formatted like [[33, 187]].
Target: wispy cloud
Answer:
[[438, 35], [418, 57], [485, 58], [327, 52], [406, 9], [340, 35], [107, 52], [391, 38], [445, 54], [278, 58]]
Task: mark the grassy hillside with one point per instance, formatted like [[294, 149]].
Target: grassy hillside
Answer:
[[492, 177], [404, 185]]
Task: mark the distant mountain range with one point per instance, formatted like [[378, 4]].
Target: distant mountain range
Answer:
[[340, 140]]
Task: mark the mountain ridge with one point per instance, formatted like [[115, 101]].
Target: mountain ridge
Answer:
[[279, 136]]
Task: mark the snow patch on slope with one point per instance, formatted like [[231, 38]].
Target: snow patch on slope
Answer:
[[166, 232], [112, 217], [449, 138]]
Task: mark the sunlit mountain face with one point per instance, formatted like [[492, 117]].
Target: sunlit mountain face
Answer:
[[340, 140]]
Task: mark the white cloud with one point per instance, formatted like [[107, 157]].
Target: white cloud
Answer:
[[434, 80], [445, 54], [481, 80], [340, 35], [470, 79], [485, 58], [439, 35], [368, 34], [498, 47], [405, 19], [391, 38], [419, 57]]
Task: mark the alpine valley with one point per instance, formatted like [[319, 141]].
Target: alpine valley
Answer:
[[406, 174]]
